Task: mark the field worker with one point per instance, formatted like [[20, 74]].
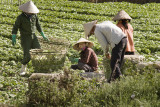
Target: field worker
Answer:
[[27, 22], [123, 22], [88, 60], [109, 35]]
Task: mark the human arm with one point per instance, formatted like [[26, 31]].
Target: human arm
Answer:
[[38, 26], [15, 30], [108, 56]]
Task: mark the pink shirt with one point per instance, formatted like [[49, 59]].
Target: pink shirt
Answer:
[[129, 34]]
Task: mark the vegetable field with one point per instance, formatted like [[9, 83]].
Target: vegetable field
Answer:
[[64, 19]]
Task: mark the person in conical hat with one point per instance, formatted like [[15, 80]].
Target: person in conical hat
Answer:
[[88, 59], [27, 23], [109, 36], [121, 15], [89, 44], [123, 20], [88, 27]]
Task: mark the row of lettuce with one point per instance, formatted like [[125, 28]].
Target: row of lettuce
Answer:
[[66, 19]]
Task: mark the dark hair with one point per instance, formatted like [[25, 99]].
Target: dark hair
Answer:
[[124, 23]]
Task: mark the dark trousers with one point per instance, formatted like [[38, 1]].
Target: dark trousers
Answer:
[[82, 66], [129, 53], [117, 58], [28, 42]]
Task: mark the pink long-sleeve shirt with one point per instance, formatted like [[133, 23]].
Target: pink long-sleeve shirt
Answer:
[[129, 34]]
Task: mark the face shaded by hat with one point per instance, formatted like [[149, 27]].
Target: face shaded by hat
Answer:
[[88, 27], [121, 15], [29, 7], [82, 40]]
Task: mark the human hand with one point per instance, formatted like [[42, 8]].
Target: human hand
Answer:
[[13, 39], [44, 37], [108, 56]]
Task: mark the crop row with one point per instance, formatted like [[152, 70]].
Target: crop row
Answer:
[[53, 14], [69, 18], [143, 17], [8, 53], [78, 27], [105, 9], [145, 14], [101, 11], [147, 30]]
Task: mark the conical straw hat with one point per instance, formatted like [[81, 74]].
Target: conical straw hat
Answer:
[[29, 7], [81, 40], [88, 27], [121, 15]]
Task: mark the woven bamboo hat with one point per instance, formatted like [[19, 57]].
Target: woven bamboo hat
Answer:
[[88, 27], [29, 7], [121, 15], [82, 40]]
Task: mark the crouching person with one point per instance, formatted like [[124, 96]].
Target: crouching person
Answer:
[[88, 60]]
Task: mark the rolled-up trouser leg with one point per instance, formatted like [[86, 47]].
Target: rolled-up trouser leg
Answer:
[[26, 45], [85, 67], [28, 42], [117, 58], [26, 56]]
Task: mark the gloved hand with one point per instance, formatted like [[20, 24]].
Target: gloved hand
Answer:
[[44, 37], [13, 39], [76, 60]]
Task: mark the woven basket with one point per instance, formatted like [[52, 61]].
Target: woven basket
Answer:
[[51, 56]]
